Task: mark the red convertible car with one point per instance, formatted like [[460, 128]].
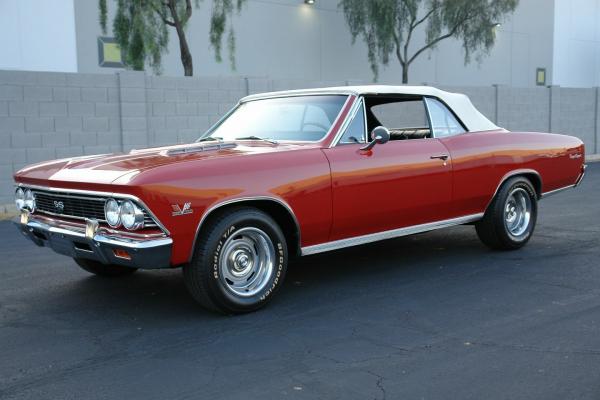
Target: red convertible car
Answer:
[[291, 174]]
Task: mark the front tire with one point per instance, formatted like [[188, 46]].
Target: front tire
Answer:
[[239, 262], [109, 271], [510, 219]]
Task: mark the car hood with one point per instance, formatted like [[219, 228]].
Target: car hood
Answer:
[[107, 168]]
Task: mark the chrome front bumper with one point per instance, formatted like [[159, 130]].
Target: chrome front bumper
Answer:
[[92, 243]]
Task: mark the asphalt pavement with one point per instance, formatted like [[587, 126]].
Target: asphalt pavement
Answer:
[[431, 316]]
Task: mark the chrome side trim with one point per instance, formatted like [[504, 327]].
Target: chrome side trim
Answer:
[[555, 191], [375, 237], [577, 183], [216, 206], [103, 194]]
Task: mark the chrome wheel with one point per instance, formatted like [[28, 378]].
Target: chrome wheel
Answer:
[[246, 262], [517, 212]]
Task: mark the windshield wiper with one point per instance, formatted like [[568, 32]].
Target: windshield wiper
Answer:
[[258, 138], [210, 139]]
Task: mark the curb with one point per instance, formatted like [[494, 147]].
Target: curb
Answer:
[[8, 211], [592, 158]]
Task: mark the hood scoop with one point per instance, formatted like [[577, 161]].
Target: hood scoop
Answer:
[[198, 148]]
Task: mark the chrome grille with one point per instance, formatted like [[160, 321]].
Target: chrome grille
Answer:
[[76, 206]]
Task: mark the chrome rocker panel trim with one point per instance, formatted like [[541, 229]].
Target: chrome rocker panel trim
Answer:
[[98, 246], [375, 237], [555, 191]]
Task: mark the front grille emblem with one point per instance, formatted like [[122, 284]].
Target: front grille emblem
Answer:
[[186, 209], [59, 206]]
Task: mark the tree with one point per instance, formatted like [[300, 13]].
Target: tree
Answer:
[[387, 26], [141, 29]]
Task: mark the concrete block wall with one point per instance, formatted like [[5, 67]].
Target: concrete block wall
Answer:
[[46, 116], [577, 110], [179, 109], [524, 109]]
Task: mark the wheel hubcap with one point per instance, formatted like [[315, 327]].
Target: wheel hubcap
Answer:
[[517, 212], [246, 261]]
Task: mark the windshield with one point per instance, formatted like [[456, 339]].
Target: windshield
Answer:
[[299, 118]]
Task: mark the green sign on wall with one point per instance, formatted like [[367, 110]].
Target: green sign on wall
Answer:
[[109, 53]]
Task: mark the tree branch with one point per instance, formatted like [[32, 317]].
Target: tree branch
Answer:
[[419, 22], [409, 36], [413, 16], [162, 15], [431, 44], [188, 10], [176, 21], [439, 39], [398, 54]]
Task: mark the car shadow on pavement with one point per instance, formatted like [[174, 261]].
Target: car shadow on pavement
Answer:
[[343, 273]]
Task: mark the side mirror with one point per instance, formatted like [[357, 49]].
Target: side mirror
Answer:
[[379, 135]]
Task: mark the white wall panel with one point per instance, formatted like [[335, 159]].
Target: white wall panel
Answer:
[[38, 35]]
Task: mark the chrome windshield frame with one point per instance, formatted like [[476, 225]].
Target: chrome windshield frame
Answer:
[[346, 95]]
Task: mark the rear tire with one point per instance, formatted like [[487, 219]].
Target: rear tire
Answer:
[[239, 262], [510, 219], [97, 268]]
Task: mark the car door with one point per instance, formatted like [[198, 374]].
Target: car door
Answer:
[[473, 160], [405, 182]]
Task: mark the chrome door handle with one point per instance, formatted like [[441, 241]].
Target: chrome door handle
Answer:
[[440, 157]]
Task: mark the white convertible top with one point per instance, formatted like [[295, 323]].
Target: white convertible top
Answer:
[[459, 103]]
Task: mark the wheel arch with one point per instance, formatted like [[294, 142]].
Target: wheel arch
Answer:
[[532, 175], [277, 209]]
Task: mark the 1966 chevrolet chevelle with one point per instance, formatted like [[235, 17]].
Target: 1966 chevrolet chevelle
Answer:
[[295, 173]]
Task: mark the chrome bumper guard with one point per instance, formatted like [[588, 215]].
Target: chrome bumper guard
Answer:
[[91, 243], [581, 176]]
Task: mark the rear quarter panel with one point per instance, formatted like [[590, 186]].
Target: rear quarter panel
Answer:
[[482, 160]]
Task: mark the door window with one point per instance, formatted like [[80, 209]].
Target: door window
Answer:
[[442, 120], [356, 131], [405, 117]]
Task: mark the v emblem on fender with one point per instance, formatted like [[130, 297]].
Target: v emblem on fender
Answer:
[[186, 209]]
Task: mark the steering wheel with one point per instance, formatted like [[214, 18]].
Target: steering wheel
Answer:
[[318, 125]]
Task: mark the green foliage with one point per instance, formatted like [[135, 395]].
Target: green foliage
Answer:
[[387, 26], [222, 10], [103, 15], [141, 29]]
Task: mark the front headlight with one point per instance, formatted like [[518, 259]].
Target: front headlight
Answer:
[[20, 198], [29, 200], [132, 217], [112, 212]]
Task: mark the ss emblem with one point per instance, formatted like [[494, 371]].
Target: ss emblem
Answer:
[[59, 206]]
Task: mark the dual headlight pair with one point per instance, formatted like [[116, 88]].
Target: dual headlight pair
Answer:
[[125, 213], [25, 199]]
